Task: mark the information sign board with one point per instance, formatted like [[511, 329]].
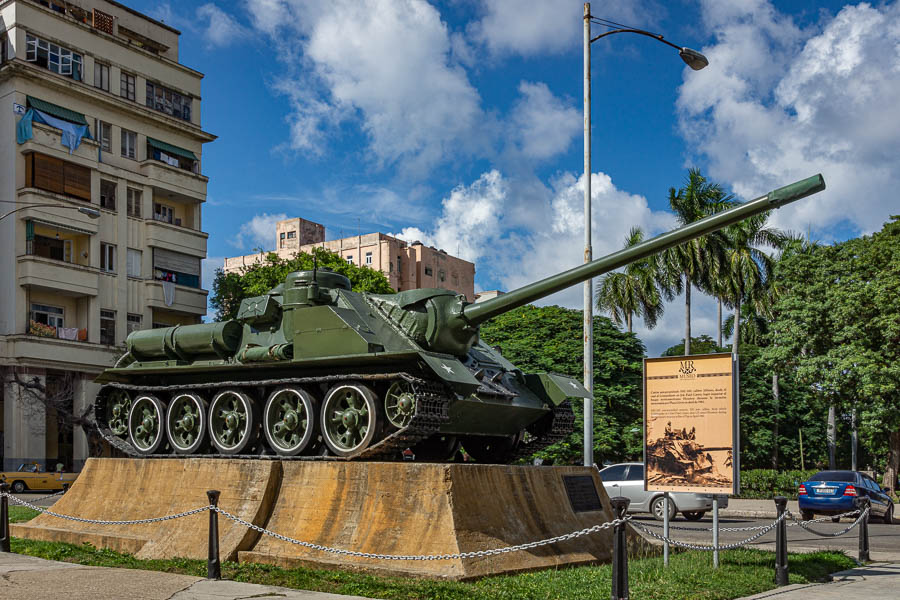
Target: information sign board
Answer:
[[691, 424]]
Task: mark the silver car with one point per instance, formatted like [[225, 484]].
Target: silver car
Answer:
[[627, 479]]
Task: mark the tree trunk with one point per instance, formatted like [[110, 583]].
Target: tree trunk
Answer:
[[687, 315], [629, 323], [853, 439], [719, 330], [830, 435], [893, 463], [777, 400]]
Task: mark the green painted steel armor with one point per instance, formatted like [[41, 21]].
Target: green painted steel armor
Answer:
[[313, 369]]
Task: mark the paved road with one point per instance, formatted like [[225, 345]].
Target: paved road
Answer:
[[884, 540]]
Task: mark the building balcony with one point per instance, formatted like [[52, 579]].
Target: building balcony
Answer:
[[55, 352], [187, 300], [46, 140], [176, 238], [62, 216], [179, 180], [56, 275]]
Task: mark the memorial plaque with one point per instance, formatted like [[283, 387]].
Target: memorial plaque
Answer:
[[582, 493]]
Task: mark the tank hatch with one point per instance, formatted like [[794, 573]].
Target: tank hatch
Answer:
[[325, 278]]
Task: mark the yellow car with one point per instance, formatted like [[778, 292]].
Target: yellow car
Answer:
[[32, 476]]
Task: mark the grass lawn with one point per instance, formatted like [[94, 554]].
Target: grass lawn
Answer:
[[689, 576]]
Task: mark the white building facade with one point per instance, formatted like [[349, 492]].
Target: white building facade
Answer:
[[95, 240]]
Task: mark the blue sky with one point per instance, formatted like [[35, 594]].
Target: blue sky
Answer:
[[460, 123]]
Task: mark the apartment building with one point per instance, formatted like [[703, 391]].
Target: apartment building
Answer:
[[101, 190], [407, 266]]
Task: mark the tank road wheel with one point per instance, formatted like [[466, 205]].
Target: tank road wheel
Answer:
[[289, 420], [146, 422], [232, 421], [186, 422], [400, 404], [350, 418], [118, 405]]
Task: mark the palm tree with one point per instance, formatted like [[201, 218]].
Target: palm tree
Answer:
[[633, 291], [747, 268], [693, 262]]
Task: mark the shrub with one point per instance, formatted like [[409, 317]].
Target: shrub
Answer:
[[766, 483]]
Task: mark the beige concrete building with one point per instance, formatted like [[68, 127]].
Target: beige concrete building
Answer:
[[98, 240], [407, 266]]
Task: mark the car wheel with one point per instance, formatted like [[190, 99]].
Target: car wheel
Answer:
[[18, 487], [835, 519], [657, 508], [807, 515], [693, 515], [888, 518]]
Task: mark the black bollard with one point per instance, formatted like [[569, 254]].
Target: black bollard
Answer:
[[620, 550], [4, 518], [213, 566], [781, 559], [862, 503]]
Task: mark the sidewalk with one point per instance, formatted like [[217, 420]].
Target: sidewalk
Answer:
[[26, 578], [877, 580], [756, 509]]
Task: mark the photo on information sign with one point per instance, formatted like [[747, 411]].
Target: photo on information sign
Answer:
[[690, 424]]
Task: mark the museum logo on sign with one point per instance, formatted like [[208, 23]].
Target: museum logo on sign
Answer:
[[687, 370]]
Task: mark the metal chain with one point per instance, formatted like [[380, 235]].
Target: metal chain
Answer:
[[476, 554], [659, 526], [101, 522], [49, 496], [803, 525], [720, 547], [821, 519]]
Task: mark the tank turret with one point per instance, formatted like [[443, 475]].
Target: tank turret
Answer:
[[313, 368]]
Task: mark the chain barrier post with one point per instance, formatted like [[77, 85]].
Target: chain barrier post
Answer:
[[4, 517], [781, 559], [213, 566], [715, 531], [862, 503], [620, 550], [666, 501]]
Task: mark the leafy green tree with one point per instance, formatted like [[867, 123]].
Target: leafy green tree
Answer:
[[634, 291], [699, 345], [230, 288], [837, 328], [549, 339], [691, 263], [746, 270]]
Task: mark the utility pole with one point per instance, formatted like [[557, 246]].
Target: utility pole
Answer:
[[588, 252]]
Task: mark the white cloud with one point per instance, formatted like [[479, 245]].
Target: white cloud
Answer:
[[778, 103], [549, 26], [219, 28], [474, 220], [385, 63], [542, 124], [258, 232]]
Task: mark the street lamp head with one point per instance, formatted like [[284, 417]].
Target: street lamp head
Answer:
[[91, 212], [693, 59]]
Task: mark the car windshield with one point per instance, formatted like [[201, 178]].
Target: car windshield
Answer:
[[848, 476]]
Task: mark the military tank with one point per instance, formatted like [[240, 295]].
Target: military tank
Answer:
[[312, 369]]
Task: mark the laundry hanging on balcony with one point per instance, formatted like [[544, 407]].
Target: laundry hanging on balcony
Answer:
[[72, 133]]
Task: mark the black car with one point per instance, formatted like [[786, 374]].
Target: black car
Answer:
[[834, 492]]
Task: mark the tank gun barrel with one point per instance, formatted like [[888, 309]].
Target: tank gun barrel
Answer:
[[477, 313]]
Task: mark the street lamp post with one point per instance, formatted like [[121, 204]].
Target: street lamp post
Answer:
[[694, 60], [85, 210]]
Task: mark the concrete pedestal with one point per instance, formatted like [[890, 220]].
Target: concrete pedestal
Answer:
[[381, 508]]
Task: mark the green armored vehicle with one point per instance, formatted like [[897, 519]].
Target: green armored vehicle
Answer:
[[313, 369]]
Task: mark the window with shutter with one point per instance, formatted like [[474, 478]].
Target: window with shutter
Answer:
[[134, 262], [77, 181]]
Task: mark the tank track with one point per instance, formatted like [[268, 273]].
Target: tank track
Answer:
[[432, 405], [544, 434]]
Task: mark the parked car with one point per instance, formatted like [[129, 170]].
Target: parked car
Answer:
[[627, 479], [834, 492], [32, 476]]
